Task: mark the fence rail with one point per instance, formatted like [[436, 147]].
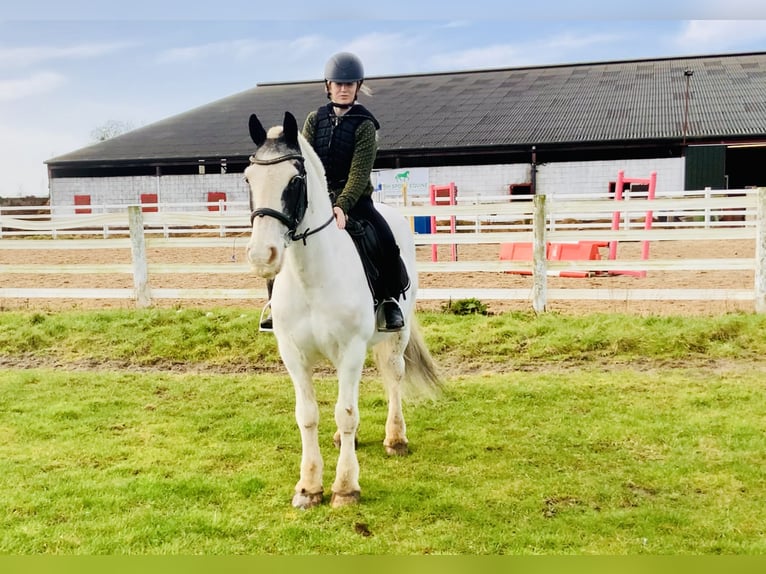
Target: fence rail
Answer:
[[679, 216]]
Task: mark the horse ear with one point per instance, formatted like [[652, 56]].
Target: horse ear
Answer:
[[290, 128], [257, 133]]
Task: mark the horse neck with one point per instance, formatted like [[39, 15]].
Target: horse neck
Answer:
[[320, 248], [319, 205]]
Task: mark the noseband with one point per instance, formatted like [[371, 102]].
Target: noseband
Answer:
[[296, 195]]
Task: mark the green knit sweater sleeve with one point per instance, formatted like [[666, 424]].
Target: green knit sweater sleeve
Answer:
[[309, 127], [358, 183]]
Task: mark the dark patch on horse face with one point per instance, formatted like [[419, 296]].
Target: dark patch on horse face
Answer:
[[294, 196]]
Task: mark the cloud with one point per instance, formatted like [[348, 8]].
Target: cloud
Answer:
[[33, 85], [569, 40], [555, 48], [26, 56], [494, 56], [384, 53], [23, 149], [241, 50], [729, 9], [708, 36], [271, 60]]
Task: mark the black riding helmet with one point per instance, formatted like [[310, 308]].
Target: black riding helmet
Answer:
[[344, 68]]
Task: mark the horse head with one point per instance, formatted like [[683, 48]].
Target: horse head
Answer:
[[278, 196]]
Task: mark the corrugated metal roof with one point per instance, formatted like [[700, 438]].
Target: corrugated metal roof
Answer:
[[639, 100]]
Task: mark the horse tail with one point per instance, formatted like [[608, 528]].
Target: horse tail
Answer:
[[421, 375]]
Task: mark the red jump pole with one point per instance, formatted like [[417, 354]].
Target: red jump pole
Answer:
[[649, 215], [434, 251], [616, 214], [443, 195]]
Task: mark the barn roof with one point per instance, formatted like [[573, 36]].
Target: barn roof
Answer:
[[619, 101]]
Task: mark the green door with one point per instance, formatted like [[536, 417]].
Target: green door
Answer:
[[705, 167]]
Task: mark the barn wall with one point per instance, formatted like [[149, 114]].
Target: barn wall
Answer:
[[594, 176], [117, 191], [553, 178], [559, 178]]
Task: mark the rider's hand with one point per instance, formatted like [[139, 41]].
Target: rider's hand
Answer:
[[340, 217]]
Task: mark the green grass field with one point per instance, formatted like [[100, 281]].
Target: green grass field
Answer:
[[172, 432]]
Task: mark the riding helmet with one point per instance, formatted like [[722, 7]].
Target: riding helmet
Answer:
[[344, 67]]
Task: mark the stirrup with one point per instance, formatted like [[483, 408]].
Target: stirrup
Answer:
[[265, 323], [380, 316]]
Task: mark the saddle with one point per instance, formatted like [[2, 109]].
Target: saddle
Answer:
[[371, 252]]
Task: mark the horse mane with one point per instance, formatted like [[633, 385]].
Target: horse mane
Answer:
[[315, 168], [312, 158]]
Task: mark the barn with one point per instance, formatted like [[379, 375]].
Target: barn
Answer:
[[697, 121]]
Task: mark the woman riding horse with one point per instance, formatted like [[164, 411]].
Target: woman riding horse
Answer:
[[343, 133]]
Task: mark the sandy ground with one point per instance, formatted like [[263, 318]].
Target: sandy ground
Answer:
[[486, 252]]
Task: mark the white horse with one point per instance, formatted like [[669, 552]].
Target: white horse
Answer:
[[322, 305]]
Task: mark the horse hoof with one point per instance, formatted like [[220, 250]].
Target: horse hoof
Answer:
[[306, 500], [338, 500], [397, 449]]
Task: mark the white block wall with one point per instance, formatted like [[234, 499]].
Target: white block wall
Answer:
[[593, 177], [559, 178], [590, 177], [118, 191]]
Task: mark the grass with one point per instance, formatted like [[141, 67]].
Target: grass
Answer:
[[229, 338], [522, 454]]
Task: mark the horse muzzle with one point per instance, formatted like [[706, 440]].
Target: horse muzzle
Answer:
[[265, 259], [266, 248]]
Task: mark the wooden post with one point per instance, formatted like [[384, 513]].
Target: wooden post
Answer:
[[138, 253], [760, 253], [539, 248]]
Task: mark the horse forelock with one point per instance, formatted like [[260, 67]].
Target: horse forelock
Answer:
[[274, 146]]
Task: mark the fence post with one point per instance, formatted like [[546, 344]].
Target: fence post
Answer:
[[221, 208], [760, 253], [138, 253], [539, 248]]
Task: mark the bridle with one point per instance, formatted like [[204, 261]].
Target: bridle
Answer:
[[294, 200]]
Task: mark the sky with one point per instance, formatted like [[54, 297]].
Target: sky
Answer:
[[69, 69]]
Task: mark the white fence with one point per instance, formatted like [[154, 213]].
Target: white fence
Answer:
[[681, 216]]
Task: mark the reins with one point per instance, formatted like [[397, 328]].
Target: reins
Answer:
[[288, 220], [307, 233]]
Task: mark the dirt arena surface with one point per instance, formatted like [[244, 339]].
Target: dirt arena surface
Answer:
[[486, 252]]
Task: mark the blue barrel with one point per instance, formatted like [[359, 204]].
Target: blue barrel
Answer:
[[422, 224]]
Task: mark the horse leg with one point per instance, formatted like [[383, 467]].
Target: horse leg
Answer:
[[345, 489], [336, 439], [308, 491], [389, 355]]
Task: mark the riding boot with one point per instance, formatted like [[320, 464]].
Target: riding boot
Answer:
[[266, 323], [392, 314]]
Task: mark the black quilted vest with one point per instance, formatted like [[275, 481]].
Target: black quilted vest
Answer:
[[334, 139]]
